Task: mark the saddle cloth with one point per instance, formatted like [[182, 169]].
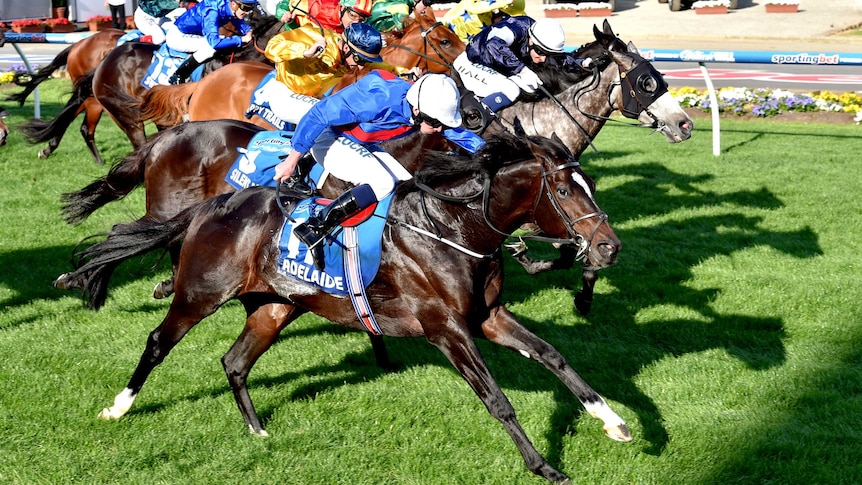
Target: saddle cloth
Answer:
[[259, 105], [165, 63], [256, 163], [296, 261]]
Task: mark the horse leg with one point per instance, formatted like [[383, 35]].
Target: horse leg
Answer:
[[262, 327], [182, 316], [381, 356], [93, 113], [584, 297], [502, 328], [464, 355], [165, 288]]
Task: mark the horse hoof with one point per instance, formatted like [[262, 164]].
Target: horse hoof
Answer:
[[44, 153], [107, 414], [62, 282], [619, 432], [261, 432], [582, 304], [161, 290]]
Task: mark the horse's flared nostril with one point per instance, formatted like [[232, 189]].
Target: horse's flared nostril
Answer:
[[608, 250]]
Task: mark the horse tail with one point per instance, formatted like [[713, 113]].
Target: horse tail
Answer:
[[166, 105], [119, 182], [40, 75], [40, 131], [95, 264]]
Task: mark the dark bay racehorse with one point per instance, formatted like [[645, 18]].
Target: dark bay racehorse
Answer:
[[115, 85], [225, 94], [448, 293], [79, 58]]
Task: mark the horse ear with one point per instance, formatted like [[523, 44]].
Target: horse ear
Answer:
[[596, 32], [632, 48], [606, 26], [519, 128]]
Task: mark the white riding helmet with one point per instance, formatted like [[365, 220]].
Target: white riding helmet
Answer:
[[548, 35], [436, 95]]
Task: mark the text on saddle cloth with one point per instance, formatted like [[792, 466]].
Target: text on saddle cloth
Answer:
[[296, 261], [165, 63]]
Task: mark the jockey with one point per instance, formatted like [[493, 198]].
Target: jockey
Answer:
[[469, 17], [153, 17], [197, 32], [342, 132], [496, 64], [308, 65], [327, 14]]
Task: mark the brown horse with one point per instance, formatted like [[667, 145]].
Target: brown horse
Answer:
[[226, 93], [113, 82], [4, 129], [79, 58], [449, 293]]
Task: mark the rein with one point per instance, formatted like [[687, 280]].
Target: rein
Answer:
[[425, 43], [583, 243]]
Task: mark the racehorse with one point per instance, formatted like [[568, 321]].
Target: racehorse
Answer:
[[79, 58], [115, 84], [226, 93], [449, 293], [4, 129], [189, 164]]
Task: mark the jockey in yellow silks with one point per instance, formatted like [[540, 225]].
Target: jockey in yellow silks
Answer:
[[469, 17]]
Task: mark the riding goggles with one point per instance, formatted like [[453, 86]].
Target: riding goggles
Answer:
[[432, 122], [245, 7], [354, 15]]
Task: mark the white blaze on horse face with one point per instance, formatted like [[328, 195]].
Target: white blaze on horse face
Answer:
[[579, 179]]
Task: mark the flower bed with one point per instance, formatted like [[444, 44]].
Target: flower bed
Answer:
[[59, 25], [28, 26], [782, 6], [765, 103], [99, 22], [585, 9]]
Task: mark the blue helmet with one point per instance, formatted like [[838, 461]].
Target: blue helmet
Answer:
[[364, 40]]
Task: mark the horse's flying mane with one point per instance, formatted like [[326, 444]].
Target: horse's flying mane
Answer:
[[447, 167]]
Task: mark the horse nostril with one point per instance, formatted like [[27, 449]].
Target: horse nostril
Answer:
[[608, 250]]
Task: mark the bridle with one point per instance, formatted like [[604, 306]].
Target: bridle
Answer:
[[425, 43], [583, 243]]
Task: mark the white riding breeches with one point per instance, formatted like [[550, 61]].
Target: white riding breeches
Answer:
[[196, 44], [286, 104], [484, 81], [154, 26], [354, 163]]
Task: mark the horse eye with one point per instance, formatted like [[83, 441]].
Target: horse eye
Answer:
[[445, 42], [563, 192], [648, 83]]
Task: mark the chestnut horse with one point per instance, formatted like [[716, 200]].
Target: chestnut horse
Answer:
[[446, 289], [226, 93], [112, 80], [79, 58]]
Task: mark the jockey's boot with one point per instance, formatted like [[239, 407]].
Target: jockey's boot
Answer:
[[313, 231], [185, 70]]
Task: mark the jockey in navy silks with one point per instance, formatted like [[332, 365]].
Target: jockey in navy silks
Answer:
[[496, 64], [197, 32], [342, 132]]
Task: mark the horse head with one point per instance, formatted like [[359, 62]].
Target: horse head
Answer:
[[567, 208], [422, 42], [536, 181]]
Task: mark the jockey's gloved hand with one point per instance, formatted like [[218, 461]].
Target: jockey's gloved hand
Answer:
[[586, 63], [527, 80]]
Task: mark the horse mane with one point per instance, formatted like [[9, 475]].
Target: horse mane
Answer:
[[441, 167]]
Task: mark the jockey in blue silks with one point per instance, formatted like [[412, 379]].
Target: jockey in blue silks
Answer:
[[342, 132], [496, 64], [197, 32]]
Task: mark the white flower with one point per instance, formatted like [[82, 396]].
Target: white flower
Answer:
[[781, 2]]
